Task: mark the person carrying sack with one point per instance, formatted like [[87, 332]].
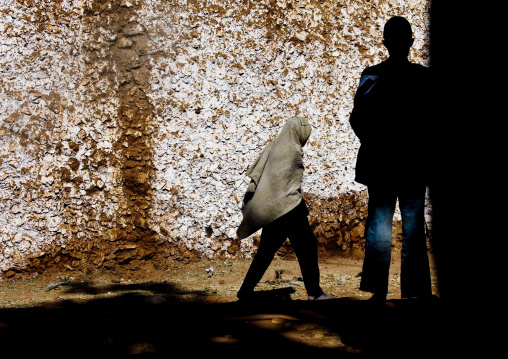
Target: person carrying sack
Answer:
[[274, 203]]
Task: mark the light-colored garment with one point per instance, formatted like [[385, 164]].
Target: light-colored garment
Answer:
[[276, 178]]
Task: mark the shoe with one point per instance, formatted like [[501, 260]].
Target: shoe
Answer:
[[322, 296], [377, 299], [245, 295]]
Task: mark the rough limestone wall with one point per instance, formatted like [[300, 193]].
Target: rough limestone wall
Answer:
[[126, 127]]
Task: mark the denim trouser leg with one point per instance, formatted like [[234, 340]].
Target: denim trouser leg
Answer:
[[415, 272], [378, 240]]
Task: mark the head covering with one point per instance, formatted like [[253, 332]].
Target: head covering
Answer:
[[276, 178]]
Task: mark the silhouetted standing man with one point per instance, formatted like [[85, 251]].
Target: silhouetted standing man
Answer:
[[389, 117]]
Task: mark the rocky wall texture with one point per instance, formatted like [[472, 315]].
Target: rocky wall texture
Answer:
[[126, 127]]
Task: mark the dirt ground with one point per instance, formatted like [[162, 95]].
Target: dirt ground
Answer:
[[218, 280], [192, 308]]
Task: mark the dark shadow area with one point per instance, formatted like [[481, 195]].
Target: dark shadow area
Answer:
[[465, 108], [466, 153], [162, 320]]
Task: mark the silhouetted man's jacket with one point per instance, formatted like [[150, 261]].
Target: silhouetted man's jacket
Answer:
[[390, 117]]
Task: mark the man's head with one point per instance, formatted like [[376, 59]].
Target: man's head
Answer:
[[398, 37]]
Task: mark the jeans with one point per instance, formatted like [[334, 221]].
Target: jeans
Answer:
[[415, 271], [295, 226]]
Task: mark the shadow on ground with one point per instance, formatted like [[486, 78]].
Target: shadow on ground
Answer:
[[160, 320]]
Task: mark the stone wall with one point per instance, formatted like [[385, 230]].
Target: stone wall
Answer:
[[126, 126]]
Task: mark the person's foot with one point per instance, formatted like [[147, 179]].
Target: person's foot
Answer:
[[245, 295], [423, 299], [378, 299], [322, 296]]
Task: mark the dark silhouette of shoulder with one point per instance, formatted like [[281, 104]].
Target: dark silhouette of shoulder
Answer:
[[387, 67]]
